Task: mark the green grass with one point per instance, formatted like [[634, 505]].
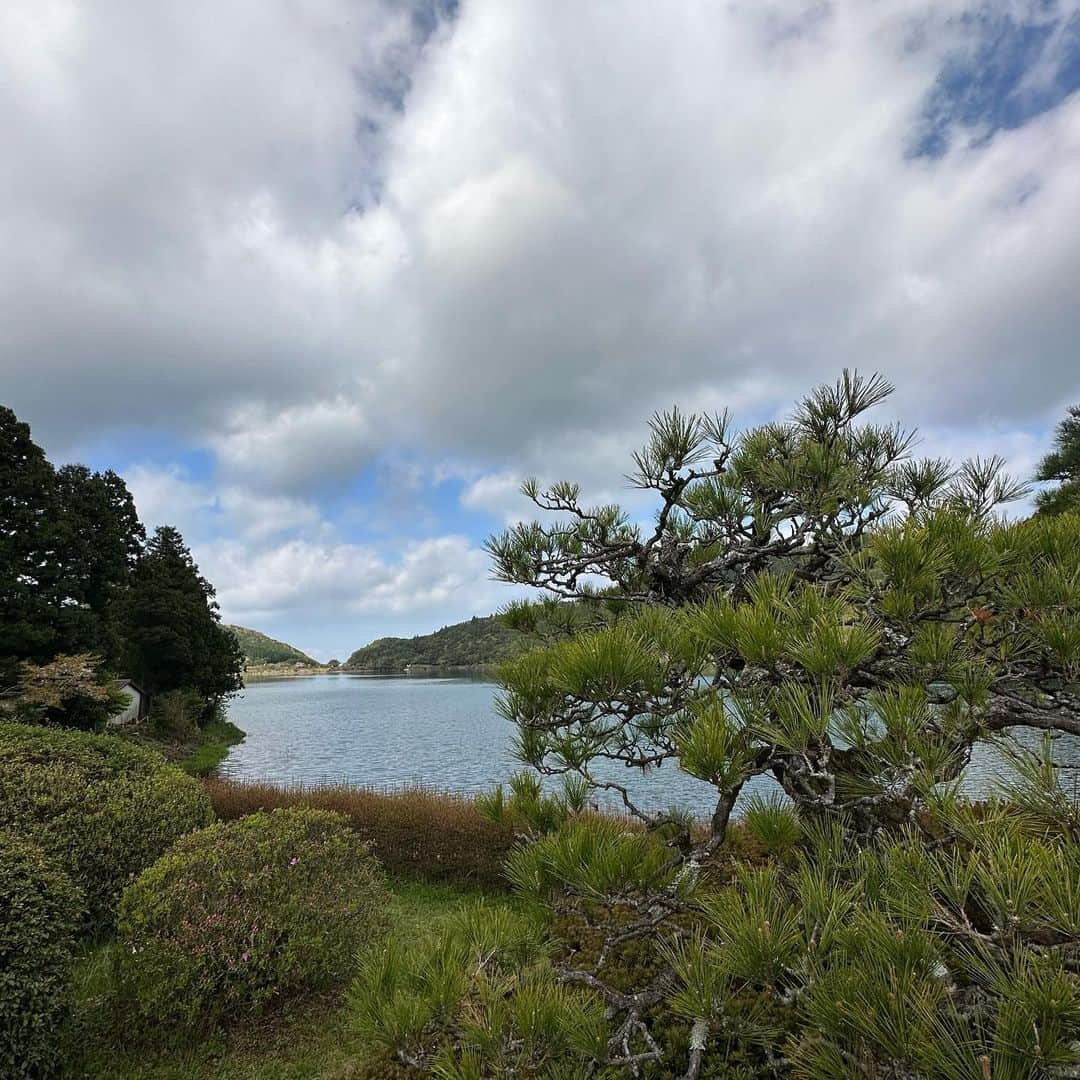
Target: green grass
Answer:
[[309, 1040], [212, 749]]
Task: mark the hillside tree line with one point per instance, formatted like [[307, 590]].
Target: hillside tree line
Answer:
[[86, 595]]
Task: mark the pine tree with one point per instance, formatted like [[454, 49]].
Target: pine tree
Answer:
[[34, 614], [171, 624], [1062, 465], [69, 539], [814, 606], [101, 539]]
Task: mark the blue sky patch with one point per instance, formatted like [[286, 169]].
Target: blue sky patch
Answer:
[[1013, 72]]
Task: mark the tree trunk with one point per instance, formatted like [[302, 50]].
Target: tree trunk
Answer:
[[721, 816]]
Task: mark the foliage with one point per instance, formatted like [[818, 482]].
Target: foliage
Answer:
[[525, 807], [313, 1037], [39, 912], [212, 748], [1062, 466], [477, 1001], [810, 604], [259, 649], [177, 713], [101, 541], [773, 823], [414, 832], [68, 691], [897, 959], [34, 622], [77, 577], [173, 631], [103, 808], [474, 643], [240, 915], [68, 539]]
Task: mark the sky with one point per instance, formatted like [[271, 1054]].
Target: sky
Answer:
[[324, 280]]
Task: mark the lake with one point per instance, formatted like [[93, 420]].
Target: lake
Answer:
[[442, 733], [393, 731]]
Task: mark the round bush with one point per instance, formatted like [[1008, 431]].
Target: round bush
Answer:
[[39, 914], [105, 809], [247, 912]]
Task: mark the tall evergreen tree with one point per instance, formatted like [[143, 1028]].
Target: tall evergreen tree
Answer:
[[174, 635], [69, 539], [1062, 465], [101, 539], [30, 592]]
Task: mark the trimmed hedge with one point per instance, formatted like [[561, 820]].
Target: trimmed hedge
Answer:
[[105, 809], [240, 915], [39, 913], [414, 833]]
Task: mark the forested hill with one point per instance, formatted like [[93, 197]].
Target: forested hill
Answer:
[[258, 649], [474, 643]]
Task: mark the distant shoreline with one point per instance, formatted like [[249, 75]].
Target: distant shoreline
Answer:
[[260, 675]]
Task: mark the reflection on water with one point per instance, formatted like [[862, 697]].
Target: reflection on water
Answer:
[[443, 733]]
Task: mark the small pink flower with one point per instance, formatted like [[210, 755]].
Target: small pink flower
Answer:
[[293, 861], [245, 957]]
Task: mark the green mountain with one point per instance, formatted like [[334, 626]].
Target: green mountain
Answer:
[[474, 643], [258, 649]]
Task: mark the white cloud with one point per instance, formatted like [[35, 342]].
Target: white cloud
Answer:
[[434, 579], [536, 247], [307, 237], [259, 517], [277, 563], [296, 447], [166, 495], [498, 494]]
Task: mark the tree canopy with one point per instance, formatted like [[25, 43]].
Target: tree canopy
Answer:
[[35, 621], [258, 649], [1062, 466], [473, 643], [77, 578], [174, 635], [864, 616], [813, 605]]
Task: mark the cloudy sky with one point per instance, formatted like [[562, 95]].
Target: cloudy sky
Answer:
[[323, 279]]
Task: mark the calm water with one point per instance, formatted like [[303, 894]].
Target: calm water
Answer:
[[442, 733]]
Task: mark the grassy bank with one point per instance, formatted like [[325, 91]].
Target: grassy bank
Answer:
[[212, 748], [310, 1040], [198, 751], [415, 833]]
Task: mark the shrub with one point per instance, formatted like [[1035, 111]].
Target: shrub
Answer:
[[39, 913], [415, 833], [105, 809], [479, 1000], [528, 808], [237, 916], [773, 823], [178, 713]]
